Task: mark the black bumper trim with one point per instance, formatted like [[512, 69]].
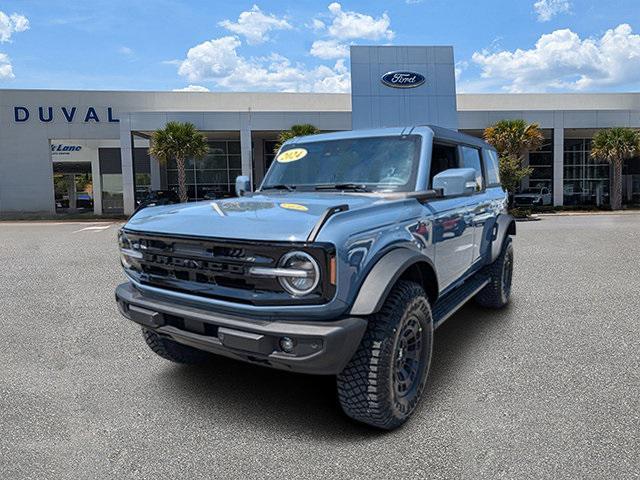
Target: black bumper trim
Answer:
[[322, 348]]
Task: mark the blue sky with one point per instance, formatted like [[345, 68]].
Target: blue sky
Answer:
[[500, 46]]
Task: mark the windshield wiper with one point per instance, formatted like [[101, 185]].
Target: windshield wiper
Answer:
[[356, 187], [279, 186]]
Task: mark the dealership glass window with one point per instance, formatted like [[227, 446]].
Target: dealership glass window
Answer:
[[586, 180], [73, 187], [111, 180], [631, 181], [142, 172], [112, 201], [213, 176], [541, 161], [269, 153]]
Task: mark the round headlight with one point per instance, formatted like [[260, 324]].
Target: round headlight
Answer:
[[305, 273]]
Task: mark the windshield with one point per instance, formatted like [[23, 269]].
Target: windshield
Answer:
[[387, 163]]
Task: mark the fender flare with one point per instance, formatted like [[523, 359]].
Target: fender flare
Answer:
[[382, 277], [505, 225]]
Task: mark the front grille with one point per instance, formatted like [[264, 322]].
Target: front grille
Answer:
[[220, 268]]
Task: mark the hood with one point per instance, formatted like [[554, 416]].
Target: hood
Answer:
[[273, 216]]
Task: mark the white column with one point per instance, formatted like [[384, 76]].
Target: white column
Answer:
[[246, 155], [126, 155], [558, 160], [96, 180]]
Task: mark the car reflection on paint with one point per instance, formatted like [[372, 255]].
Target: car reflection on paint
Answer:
[[449, 227], [158, 197]]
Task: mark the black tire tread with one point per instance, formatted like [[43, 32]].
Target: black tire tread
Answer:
[[363, 389], [491, 295]]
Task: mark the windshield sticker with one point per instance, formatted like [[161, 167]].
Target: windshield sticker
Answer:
[[292, 155], [294, 206]]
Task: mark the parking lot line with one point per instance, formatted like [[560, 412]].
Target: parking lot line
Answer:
[[94, 228]]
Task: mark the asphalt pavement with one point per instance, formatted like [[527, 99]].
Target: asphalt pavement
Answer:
[[546, 388]]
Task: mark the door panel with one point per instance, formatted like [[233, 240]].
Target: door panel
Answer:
[[453, 238], [483, 220]]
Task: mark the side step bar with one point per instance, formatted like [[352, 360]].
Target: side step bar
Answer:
[[451, 302]]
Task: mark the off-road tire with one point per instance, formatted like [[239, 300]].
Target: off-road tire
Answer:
[[367, 387], [173, 351], [496, 293]]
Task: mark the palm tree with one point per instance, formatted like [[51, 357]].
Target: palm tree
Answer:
[[513, 139], [615, 145], [295, 131], [178, 141]]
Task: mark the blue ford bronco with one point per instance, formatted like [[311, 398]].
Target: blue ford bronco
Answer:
[[356, 246]]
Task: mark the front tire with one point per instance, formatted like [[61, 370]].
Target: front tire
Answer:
[[383, 382], [496, 294], [174, 351]]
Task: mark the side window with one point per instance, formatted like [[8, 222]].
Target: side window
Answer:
[[492, 166], [470, 158], [443, 157]]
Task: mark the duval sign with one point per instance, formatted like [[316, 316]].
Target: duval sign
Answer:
[[68, 114], [402, 79]]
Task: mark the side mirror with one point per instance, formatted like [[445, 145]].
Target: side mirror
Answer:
[[456, 181], [243, 185]]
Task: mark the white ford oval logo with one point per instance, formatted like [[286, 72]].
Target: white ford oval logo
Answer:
[[402, 79]]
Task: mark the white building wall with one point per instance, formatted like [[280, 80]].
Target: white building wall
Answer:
[[26, 174]]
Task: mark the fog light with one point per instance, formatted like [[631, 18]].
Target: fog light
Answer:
[[286, 344]]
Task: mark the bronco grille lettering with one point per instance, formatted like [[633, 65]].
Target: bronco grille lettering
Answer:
[[192, 264]]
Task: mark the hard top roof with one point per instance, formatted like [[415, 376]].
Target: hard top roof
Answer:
[[439, 133]]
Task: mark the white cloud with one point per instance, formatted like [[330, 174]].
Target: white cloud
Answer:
[[561, 60], [255, 24], [211, 59], [460, 67], [547, 9], [346, 25], [126, 51], [218, 61], [317, 25], [10, 24], [6, 70], [192, 88], [329, 49]]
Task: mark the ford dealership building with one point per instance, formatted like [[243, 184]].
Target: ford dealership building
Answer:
[[86, 151]]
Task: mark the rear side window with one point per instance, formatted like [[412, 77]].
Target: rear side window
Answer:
[[492, 166], [471, 159]]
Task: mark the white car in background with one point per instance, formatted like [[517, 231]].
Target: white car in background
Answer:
[[536, 196]]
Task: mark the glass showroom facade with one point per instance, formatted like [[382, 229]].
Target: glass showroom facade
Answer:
[[586, 179], [541, 163], [214, 175]]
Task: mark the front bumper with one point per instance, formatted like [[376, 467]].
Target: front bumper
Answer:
[[322, 348]]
